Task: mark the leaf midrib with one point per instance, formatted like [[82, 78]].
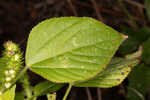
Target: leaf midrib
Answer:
[[69, 51]]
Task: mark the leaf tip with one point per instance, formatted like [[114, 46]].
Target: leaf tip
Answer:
[[124, 36]]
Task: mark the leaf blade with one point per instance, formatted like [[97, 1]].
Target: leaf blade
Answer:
[[61, 53], [113, 75], [8, 95]]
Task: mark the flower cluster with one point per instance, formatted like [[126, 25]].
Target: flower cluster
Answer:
[[12, 57]]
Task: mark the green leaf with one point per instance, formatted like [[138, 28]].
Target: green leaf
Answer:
[[135, 37], [113, 75], [129, 43], [139, 82], [8, 95], [46, 87], [70, 49], [147, 5], [138, 35], [146, 51]]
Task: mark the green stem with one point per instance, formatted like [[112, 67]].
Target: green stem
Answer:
[[28, 92], [67, 92], [127, 13], [17, 78], [26, 85]]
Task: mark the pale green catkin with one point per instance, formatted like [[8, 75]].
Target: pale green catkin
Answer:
[[12, 63]]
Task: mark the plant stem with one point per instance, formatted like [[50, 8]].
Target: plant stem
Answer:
[[26, 85], [28, 92], [67, 92], [127, 13], [17, 78]]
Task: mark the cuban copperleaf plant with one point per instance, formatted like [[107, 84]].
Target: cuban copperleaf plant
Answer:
[[74, 50]]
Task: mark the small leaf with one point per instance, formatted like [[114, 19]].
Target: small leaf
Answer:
[[139, 80], [46, 87], [113, 75], [8, 95], [70, 49]]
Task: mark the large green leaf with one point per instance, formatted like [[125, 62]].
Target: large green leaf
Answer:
[[113, 75], [8, 95], [70, 49]]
